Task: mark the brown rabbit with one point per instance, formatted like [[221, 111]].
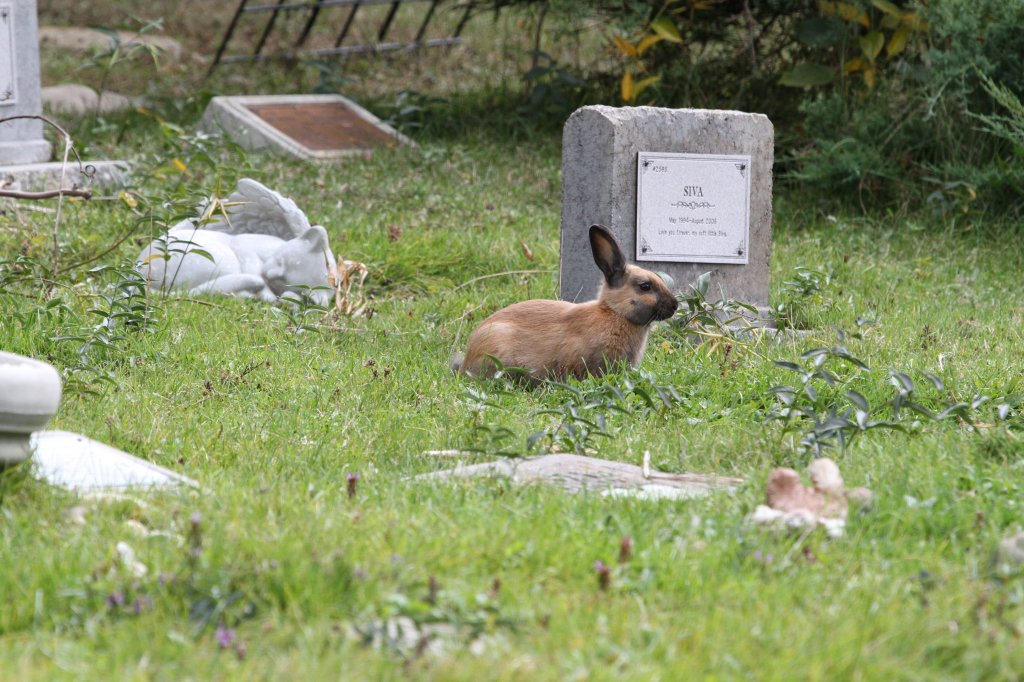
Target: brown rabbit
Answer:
[[556, 339]]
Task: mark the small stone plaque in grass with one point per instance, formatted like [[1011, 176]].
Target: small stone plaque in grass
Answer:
[[307, 126]]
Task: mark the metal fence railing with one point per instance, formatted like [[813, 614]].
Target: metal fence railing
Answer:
[[305, 28]]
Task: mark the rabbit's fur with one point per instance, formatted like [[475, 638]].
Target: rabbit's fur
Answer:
[[558, 339]]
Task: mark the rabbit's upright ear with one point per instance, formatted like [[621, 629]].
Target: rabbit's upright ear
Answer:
[[607, 255]]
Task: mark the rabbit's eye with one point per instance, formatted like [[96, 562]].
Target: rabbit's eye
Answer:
[[645, 286]]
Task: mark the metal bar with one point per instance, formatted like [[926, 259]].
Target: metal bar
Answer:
[[315, 7], [349, 49], [309, 25], [426, 20], [388, 19], [49, 194], [227, 37], [290, 6], [385, 47], [465, 17], [266, 31], [347, 26]]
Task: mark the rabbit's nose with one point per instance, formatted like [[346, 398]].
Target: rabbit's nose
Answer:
[[667, 308]]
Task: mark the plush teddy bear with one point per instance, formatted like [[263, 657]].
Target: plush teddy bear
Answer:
[[792, 504]]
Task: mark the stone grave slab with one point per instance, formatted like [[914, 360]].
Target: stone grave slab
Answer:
[[578, 473], [75, 462], [312, 127], [684, 191]]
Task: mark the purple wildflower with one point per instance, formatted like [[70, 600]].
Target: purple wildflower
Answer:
[[604, 575], [225, 636], [141, 604]]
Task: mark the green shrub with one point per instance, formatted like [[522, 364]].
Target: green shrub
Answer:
[[915, 133], [973, 39]]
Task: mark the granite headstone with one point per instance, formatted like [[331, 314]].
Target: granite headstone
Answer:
[[684, 191]]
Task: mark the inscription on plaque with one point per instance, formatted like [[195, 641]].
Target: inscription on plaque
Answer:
[[6, 56], [692, 208]]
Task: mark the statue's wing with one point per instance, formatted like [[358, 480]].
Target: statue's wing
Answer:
[[254, 208]]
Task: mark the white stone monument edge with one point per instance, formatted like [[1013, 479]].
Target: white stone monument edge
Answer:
[[78, 463], [8, 97], [22, 141]]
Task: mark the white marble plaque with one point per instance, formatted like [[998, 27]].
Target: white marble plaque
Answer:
[[7, 91], [75, 462], [692, 208]]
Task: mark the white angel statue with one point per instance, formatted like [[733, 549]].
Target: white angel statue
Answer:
[[262, 246]]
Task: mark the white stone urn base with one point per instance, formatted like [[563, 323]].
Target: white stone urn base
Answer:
[[29, 396]]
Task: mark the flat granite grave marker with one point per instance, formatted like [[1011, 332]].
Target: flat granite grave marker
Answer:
[[577, 473], [312, 127], [684, 191]]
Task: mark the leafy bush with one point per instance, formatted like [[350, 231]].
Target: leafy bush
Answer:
[[971, 40], [869, 97], [1008, 125], [915, 127]]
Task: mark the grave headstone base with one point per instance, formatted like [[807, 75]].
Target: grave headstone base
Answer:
[[37, 177], [28, 151]]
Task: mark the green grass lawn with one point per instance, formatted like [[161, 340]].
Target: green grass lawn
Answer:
[[271, 422], [275, 571]]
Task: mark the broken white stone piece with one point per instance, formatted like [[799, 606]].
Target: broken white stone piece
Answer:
[[825, 476], [575, 473], [1010, 554], [786, 492], [655, 491], [77, 515], [861, 499], [75, 462], [128, 561], [29, 396], [263, 248]]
